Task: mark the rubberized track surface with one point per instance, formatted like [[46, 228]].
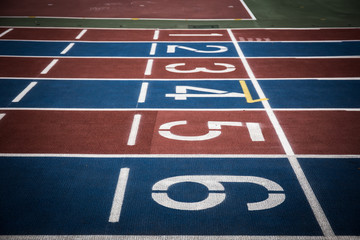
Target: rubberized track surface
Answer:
[[161, 9], [211, 133]]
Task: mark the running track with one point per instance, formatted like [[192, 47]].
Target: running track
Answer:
[[259, 127]]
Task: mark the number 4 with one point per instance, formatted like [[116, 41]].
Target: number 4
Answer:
[[182, 93]]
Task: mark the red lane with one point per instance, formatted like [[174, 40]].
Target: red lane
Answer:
[[98, 68], [73, 132], [116, 68], [107, 132], [71, 34], [322, 132], [194, 35], [42, 34], [73, 68], [175, 9], [159, 68], [116, 34], [22, 67], [296, 35], [305, 68], [182, 35], [233, 140]]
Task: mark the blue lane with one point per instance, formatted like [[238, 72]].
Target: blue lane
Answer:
[[27, 48], [312, 93], [300, 49], [162, 94], [33, 48], [73, 196], [183, 49], [336, 185], [173, 49], [123, 49], [121, 94]]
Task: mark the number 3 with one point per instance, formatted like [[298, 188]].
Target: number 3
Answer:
[[228, 68]]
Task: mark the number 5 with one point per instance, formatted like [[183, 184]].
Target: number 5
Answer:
[[214, 131]]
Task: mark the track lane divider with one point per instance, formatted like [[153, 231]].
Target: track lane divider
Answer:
[[24, 92], [79, 36], [134, 130], [51, 65], [143, 92], [149, 66], [6, 32], [304, 183], [156, 34], [67, 48], [119, 195], [153, 48]]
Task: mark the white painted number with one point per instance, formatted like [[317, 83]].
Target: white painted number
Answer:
[[219, 49], [214, 131], [213, 183], [173, 68], [182, 93]]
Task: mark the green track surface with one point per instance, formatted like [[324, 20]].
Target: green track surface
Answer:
[[269, 14]]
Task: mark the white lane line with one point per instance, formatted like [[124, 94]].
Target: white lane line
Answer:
[[67, 48], [2, 115], [178, 109], [248, 10], [156, 34], [149, 66], [196, 35], [153, 48], [47, 69], [66, 155], [119, 195], [24, 92], [81, 34], [309, 193], [6, 32], [143, 92], [134, 130], [255, 132]]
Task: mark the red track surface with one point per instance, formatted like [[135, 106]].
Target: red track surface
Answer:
[[167, 35], [135, 68], [304, 67], [111, 68], [298, 35], [309, 132], [108, 132], [321, 132], [174, 9]]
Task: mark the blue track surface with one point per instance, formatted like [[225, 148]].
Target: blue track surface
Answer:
[[73, 194], [250, 49], [124, 94]]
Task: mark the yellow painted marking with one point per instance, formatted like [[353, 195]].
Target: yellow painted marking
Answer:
[[32, 16], [135, 18], [248, 95], [238, 19]]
